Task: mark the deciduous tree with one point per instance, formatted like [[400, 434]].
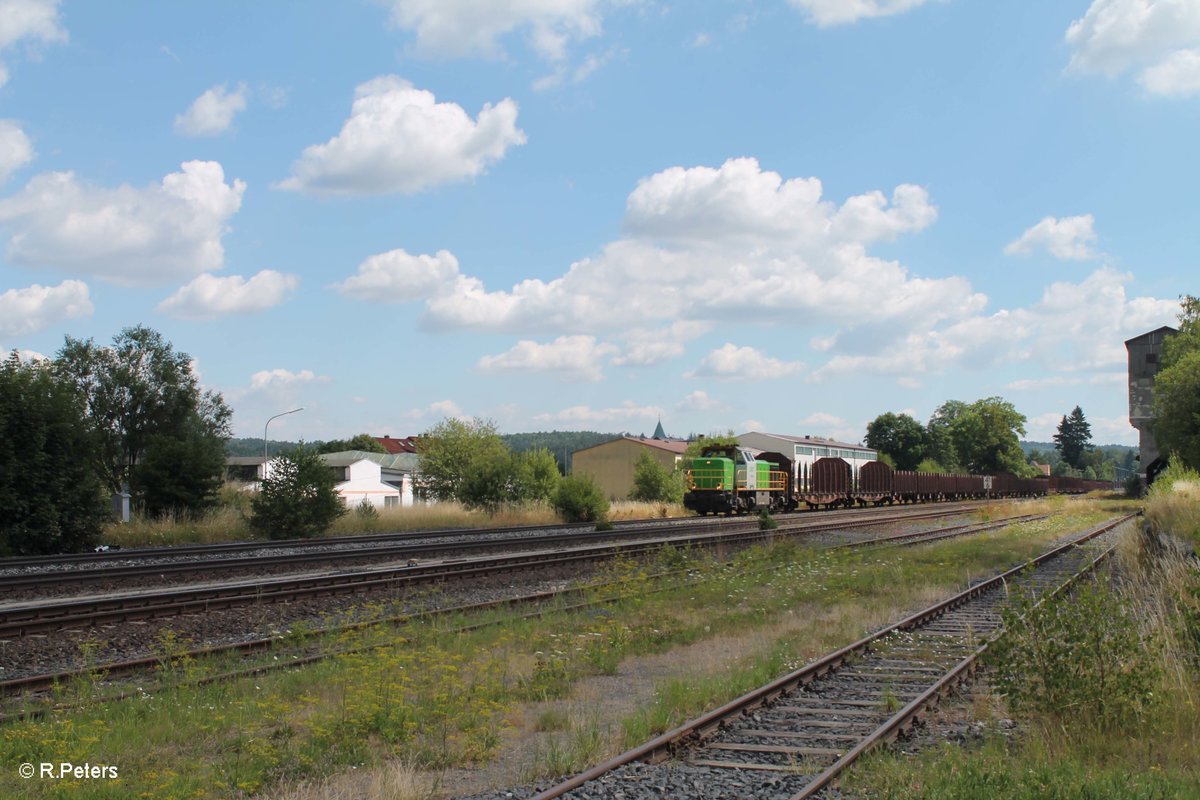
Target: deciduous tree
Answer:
[[51, 498], [454, 449], [654, 483], [1177, 389], [899, 436], [139, 394]]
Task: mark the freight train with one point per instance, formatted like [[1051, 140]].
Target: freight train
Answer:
[[730, 479]]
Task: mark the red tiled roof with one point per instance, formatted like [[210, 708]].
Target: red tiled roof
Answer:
[[406, 445]]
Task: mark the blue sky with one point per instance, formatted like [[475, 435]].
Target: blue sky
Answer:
[[789, 215]]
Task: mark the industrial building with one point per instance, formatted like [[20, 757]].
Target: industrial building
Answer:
[[804, 450], [1145, 358], [611, 463]]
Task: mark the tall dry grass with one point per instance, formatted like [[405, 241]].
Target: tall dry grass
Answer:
[[227, 522]]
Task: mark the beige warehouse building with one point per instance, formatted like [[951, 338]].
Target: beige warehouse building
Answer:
[[611, 463]]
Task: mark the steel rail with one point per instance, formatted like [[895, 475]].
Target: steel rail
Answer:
[[907, 716], [31, 682], [425, 550], [18, 620], [663, 745], [193, 550]]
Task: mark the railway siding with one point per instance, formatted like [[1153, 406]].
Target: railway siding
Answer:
[[794, 736]]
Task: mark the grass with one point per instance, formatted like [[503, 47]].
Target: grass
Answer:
[[227, 522], [431, 698], [1136, 744]]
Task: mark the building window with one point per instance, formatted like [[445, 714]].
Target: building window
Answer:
[[390, 502]]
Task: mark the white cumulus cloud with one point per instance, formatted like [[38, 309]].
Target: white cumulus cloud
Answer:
[[1176, 75], [826, 13], [212, 112], [1074, 327], [399, 277], [1067, 238], [456, 28], [569, 357], [15, 149], [400, 139], [34, 21], [281, 378], [731, 362], [584, 414], [127, 235], [697, 232], [209, 296], [698, 400], [1160, 39], [28, 310]]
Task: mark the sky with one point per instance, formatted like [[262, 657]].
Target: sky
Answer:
[[781, 215]]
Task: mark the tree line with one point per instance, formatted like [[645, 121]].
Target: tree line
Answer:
[[1176, 423], [101, 420]]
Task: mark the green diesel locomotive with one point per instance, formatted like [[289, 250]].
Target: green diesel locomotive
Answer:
[[727, 479]]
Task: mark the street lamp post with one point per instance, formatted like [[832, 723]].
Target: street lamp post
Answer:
[[277, 416]]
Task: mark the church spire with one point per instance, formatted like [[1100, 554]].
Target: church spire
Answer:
[[658, 431]]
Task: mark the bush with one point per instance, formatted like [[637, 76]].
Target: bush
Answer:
[[297, 499], [1078, 659], [654, 483], [579, 499]]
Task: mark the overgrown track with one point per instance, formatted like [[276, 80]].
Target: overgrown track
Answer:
[[40, 681], [794, 736], [21, 619], [224, 549], [441, 545]]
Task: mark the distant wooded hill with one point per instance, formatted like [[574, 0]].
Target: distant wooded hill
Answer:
[[1112, 450], [560, 443]]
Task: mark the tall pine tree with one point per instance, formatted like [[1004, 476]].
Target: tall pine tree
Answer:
[[1074, 438]]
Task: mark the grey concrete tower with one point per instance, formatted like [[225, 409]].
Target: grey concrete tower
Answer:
[[1145, 355]]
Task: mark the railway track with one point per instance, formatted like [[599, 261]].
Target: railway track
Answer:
[[222, 549], [420, 550], [793, 737], [109, 670], [22, 619]]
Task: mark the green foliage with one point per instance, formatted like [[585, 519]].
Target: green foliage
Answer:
[[929, 465], [940, 444], [765, 521], [1177, 388], [1074, 438], [537, 474], [561, 443], [986, 436], [50, 495], [580, 499], [363, 441], [1079, 659], [139, 394], [1177, 409], [490, 481], [297, 498], [899, 436], [1187, 340], [179, 474], [454, 449], [654, 483], [696, 445]]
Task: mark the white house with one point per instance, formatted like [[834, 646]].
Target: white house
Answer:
[[383, 480], [361, 479]]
